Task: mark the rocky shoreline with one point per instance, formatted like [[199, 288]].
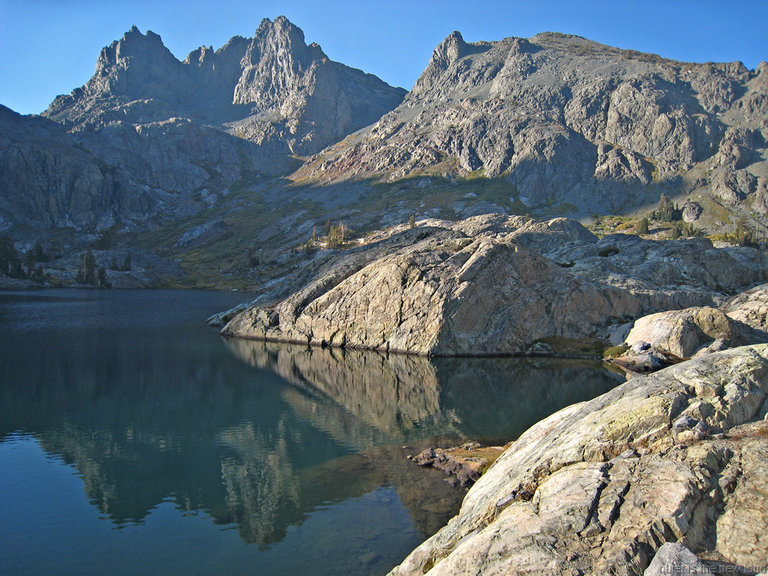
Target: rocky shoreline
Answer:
[[463, 464], [678, 456]]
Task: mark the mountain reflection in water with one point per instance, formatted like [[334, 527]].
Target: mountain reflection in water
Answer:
[[150, 406]]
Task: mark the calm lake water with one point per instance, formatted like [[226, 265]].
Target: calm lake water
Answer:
[[135, 440]]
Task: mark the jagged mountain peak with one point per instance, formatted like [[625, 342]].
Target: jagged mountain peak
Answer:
[[134, 44], [450, 49], [453, 48], [273, 89]]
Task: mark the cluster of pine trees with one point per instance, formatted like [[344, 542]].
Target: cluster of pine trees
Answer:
[[23, 266]]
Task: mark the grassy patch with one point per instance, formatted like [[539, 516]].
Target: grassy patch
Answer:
[[615, 351]]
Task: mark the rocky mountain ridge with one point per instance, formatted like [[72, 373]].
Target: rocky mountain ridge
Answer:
[[150, 141], [560, 120], [272, 89]]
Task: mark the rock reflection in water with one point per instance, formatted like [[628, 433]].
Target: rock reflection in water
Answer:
[[402, 398], [149, 411], [376, 398]]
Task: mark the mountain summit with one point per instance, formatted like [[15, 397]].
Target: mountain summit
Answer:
[[273, 89]]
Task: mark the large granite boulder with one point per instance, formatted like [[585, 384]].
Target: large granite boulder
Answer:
[[600, 486], [447, 295], [685, 332]]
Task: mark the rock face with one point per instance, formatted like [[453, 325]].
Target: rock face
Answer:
[[600, 486], [751, 308], [480, 286], [664, 274], [123, 175], [559, 118], [446, 294]]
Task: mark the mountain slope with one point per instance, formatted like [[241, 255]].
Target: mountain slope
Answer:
[[150, 141], [561, 120]]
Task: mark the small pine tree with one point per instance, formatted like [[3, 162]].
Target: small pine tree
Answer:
[[102, 281], [10, 263], [665, 212], [37, 254], [743, 233], [642, 227], [86, 272], [412, 222], [38, 275], [334, 237], [676, 231]]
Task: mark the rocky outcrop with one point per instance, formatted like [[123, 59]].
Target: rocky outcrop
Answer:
[[561, 120], [446, 294], [751, 308], [665, 275], [480, 286], [673, 558], [660, 339], [600, 486], [463, 464]]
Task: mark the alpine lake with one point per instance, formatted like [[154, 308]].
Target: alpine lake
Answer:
[[135, 440]]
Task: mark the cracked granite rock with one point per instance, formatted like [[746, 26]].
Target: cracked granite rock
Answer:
[[600, 486]]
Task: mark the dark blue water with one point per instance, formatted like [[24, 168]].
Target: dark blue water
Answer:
[[134, 440]]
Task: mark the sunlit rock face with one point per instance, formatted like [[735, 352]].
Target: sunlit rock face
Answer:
[[494, 284], [598, 487], [272, 89], [561, 119], [464, 296]]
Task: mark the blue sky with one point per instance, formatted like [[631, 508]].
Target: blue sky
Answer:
[[50, 47]]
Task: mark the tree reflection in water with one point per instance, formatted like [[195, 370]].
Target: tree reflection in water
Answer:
[[147, 416]]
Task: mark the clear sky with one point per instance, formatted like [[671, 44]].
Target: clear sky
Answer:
[[50, 47]]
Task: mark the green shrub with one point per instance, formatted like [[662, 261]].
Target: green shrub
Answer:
[[615, 351]]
